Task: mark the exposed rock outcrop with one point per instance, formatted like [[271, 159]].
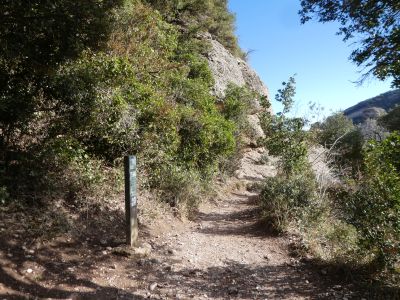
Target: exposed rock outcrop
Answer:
[[228, 69]]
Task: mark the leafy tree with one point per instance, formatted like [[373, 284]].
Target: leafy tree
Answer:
[[344, 139], [36, 37], [333, 128], [84, 82], [375, 23], [286, 195], [391, 121], [284, 135]]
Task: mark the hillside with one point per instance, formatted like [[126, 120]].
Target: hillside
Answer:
[[233, 202], [101, 80], [373, 107]]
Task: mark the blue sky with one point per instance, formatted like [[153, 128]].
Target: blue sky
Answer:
[[283, 47]]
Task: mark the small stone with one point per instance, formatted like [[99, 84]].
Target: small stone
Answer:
[[141, 262], [154, 261], [307, 281], [153, 286], [233, 291], [104, 252], [29, 271], [266, 257], [170, 251], [168, 268], [337, 287], [109, 248], [143, 250]]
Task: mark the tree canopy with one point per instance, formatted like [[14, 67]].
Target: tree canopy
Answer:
[[373, 24]]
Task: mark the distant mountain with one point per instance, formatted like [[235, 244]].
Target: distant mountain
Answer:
[[373, 107]]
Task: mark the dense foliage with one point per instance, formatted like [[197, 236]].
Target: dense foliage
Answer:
[[85, 83], [391, 120], [343, 139], [374, 208], [207, 16], [375, 24], [348, 214]]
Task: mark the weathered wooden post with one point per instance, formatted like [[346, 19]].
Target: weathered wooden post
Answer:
[[131, 200]]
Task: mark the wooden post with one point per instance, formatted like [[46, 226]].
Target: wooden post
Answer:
[[131, 200]]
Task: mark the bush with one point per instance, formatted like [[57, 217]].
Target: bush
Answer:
[[333, 128], [283, 199], [391, 121], [212, 16], [285, 136], [344, 140], [374, 208], [294, 188]]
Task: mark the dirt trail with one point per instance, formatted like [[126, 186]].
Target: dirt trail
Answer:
[[223, 254], [227, 254]]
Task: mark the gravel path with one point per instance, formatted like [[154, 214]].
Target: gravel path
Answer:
[[227, 254]]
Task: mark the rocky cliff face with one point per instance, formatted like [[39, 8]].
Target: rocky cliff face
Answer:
[[228, 69]]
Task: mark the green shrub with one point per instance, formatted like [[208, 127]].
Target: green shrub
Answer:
[[285, 136], [344, 140], [237, 103], [235, 107], [67, 170], [137, 84], [284, 196], [391, 120], [283, 199], [374, 208], [333, 128], [212, 16]]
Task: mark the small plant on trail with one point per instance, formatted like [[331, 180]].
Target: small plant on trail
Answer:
[[285, 137], [294, 187]]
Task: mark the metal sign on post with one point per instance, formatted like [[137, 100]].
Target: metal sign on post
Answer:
[[131, 200]]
